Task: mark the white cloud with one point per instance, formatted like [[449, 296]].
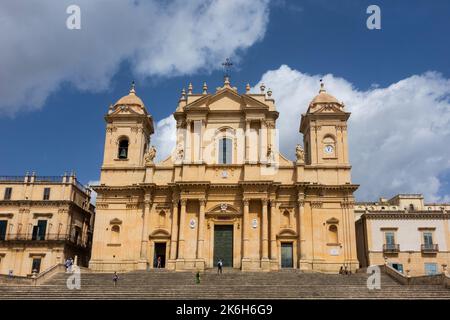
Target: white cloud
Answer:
[[165, 137], [398, 135], [159, 38]]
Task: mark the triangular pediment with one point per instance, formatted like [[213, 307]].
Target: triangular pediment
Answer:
[[251, 102], [225, 99]]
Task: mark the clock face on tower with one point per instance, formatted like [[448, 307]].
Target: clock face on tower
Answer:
[[328, 149]]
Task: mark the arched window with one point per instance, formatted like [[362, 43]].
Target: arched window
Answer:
[[411, 207], [123, 149], [225, 151], [115, 234], [333, 234]]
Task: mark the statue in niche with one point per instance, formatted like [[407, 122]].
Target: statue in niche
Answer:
[[300, 153], [150, 155]]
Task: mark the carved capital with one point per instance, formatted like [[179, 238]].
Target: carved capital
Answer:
[[183, 202], [246, 202], [202, 202]]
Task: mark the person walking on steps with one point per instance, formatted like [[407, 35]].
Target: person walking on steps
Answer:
[[197, 277], [219, 266], [115, 278]]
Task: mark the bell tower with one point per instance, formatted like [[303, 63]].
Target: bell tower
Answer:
[[324, 128], [128, 130]]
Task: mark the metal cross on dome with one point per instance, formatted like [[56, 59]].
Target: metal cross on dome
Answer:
[[227, 67]]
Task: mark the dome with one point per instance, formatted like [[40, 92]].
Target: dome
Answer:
[[130, 99], [324, 97]]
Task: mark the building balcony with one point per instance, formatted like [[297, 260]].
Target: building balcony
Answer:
[[29, 239], [429, 248], [391, 248]]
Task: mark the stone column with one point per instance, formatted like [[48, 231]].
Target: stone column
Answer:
[[188, 142], [247, 141], [245, 226], [263, 140], [265, 226], [301, 231], [144, 233], [182, 226], [273, 230], [201, 229], [174, 232]]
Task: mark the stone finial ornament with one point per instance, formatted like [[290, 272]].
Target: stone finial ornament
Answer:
[[205, 88], [133, 87], [262, 87], [269, 93], [190, 88], [247, 88]]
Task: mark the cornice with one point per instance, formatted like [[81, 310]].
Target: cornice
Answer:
[[400, 215]]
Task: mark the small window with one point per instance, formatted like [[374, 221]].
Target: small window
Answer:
[[431, 269], [38, 232], [390, 240], [8, 192], [397, 266], [36, 265], [46, 193], [411, 207], [3, 225], [428, 239], [123, 149], [225, 151]]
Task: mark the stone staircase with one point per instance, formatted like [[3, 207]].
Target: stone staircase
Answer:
[[232, 284]]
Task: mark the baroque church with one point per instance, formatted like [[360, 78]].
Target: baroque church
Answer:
[[226, 193]]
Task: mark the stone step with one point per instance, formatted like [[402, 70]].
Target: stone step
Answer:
[[229, 285]]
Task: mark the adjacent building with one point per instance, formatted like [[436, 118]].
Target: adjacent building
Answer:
[[404, 232], [43, 221], [226, 192]]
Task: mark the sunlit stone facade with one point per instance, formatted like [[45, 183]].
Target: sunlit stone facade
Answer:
[[44, 220], [226, 192]]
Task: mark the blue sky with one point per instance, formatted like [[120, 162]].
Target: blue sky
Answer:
[[65, 131]]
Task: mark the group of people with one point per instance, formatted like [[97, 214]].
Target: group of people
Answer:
[[344, 270]]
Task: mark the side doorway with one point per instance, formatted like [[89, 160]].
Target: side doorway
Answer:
[[159, 257]]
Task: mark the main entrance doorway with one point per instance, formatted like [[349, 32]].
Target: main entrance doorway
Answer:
[[160, 252], [223, 244], [286, 255]]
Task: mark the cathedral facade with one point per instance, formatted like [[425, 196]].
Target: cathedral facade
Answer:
[[226, 193]]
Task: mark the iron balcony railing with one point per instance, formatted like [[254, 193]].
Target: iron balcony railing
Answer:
[[391, 248], [10, 237], [431, 247]]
